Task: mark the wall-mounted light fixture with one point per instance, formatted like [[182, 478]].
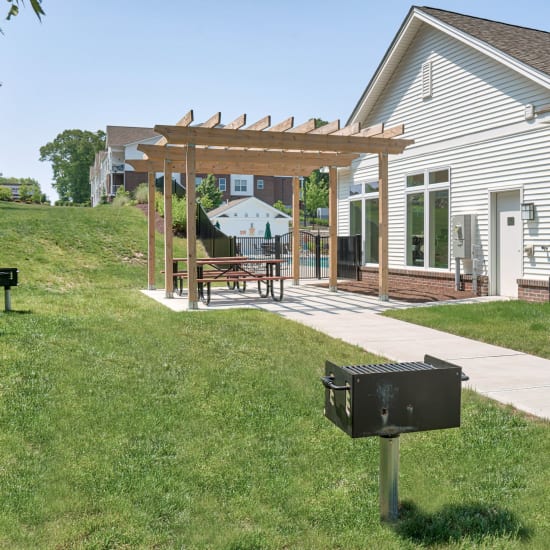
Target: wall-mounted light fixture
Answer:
[[528, 211]]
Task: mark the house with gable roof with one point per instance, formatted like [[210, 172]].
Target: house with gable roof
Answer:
[[469, 202], [249, 217], [110, 171]]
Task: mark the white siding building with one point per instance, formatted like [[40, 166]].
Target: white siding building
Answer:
[[249, 218], [475, 97]]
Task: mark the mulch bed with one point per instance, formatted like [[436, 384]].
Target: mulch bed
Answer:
[[159, 221]]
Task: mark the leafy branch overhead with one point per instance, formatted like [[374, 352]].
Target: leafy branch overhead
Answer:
[[14, 8]]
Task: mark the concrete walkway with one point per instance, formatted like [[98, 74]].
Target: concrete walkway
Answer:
[[508, 376]]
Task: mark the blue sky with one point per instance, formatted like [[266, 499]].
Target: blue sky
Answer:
[[95, 63]]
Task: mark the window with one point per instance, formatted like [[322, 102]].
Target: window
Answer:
[[427, 235], [240, 186], [355, 189], [259, 184], [222, 184], [198, 181], [364, 218], [371, 231]]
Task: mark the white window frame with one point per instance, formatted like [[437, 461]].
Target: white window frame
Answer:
[[242, 185], [222, 184], [363, 198], [426, 188], [259, 184]]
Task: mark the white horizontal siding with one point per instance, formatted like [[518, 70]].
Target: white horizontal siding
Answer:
[[471, 92], [520, 161]]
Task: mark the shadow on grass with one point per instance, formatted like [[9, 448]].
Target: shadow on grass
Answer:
[[16, 312], [453, 523]]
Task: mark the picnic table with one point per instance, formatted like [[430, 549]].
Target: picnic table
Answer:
[[236, 272]]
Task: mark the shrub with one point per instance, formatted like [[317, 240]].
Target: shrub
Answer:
[[122, 198], [5, 194], [141, 194], [159, 203], [179, 215]]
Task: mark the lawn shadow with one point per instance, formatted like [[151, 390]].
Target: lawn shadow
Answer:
[[455, 522], [16, 312]]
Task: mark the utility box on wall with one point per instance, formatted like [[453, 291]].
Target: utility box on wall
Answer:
[[463, 231]]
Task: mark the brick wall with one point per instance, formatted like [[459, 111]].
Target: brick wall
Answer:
[[533, 291], [428, 282]]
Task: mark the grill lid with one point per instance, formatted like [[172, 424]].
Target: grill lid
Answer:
[[388, 368]]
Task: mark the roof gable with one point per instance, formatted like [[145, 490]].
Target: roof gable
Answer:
[[526, 51], [118, 136], [253, 202]]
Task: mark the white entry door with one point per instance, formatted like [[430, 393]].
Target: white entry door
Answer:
[[509, 256]]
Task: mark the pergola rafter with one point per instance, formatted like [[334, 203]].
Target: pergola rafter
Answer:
[[263, 149]]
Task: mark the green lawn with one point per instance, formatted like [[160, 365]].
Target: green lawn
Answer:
[[521, 326], [126, 425]]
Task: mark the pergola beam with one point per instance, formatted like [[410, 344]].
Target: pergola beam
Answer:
[[329, 128], [219, 137], [227, 167], [155, 152], [261, 124]]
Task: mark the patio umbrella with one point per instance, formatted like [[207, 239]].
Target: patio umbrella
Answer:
[[267, 232]]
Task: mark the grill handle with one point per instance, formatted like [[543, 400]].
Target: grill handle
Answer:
[[328, 382]]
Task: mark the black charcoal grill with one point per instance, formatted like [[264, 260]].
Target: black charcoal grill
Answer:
[[8, 278], [389, 399]]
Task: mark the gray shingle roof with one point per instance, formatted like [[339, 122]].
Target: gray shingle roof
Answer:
[[121, 135], [530, 46]]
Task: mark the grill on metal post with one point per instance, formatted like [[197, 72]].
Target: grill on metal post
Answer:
[[8, 278], [389, 399]]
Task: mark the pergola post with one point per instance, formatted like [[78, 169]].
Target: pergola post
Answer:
[[296, 230], [383, 227], [332, 229], [151, 232], [192, 286], [168, 235]]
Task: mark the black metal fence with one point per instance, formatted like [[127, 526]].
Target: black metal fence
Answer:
[[349, 257], [215, 241], [313, 252], [314, 249]]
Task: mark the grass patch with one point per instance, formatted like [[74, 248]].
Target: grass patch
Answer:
[[517, 325], [126, 425]]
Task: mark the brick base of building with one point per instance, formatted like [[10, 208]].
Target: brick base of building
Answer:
[[426, 284], [533, 291]]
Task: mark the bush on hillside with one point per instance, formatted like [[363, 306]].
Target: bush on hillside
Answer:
[[122, 198], [5, 194], [141, 194], [179, 215]]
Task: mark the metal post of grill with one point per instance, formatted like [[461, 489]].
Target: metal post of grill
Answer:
[[7, 300], [389, 477]]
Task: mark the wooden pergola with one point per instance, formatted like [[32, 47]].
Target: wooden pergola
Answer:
[[262, 149]]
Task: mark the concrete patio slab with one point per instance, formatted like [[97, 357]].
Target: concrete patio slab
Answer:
[[505, 375]]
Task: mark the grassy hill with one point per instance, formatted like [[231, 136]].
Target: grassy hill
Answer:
[[126, 425]]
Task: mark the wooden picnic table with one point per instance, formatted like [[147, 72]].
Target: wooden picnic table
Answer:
[[235, 271]]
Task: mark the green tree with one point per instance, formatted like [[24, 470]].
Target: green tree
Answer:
[[29, 191], [14, 8], [5, 193], [71, 154], [208, 193], [316, 185], [280, 206]]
